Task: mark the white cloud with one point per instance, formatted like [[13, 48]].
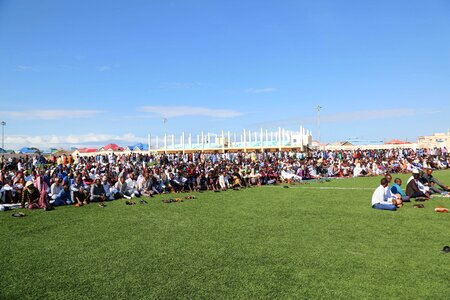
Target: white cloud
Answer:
[[260, 90], [346, 117], [179, 85], [104, 68], [91, 140], [182, 111], [24, 68], [51, 114], [369, 115]]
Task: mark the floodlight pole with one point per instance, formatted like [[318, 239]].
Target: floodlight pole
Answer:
[[3, 134], [318, 122], [165, 134]]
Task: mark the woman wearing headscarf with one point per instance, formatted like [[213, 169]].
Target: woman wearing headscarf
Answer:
[[30, 195]]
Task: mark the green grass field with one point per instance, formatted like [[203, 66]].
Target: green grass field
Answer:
[[308, 241]]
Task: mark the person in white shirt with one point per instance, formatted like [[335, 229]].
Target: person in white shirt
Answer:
[[357, 171], [55, 188], [107, 188], [381, 199], [224, 181], [132, 186]]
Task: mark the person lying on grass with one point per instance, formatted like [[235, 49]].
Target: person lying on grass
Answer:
[[382, 199]]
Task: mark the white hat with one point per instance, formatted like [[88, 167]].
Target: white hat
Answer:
[[415, 171]]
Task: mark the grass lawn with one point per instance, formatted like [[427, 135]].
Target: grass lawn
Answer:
[[308, 241]]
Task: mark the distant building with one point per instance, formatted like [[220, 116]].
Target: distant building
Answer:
[[437, 140], [26, 150]]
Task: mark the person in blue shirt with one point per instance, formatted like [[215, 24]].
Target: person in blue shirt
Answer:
[[396, 188], [63, 197]]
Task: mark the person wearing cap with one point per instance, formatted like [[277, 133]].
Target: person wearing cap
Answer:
[[97, 190], [415, 188], [381, 199]]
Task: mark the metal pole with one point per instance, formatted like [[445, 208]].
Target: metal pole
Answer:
[[165, 134], [318, 122], [3, 134]]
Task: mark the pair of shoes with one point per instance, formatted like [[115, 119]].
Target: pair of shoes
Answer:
[[18, 215], [130, 203], [143, 202], [102, 205], [419, 206]]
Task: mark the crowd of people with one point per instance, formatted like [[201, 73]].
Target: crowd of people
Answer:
[[420, 186], [46, 182]]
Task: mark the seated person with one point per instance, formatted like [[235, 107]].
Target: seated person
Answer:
[[120, 189], [415, 188], [79, 192], [144, 185], [131, 189], [63, 197], [43, 188], [55, 188], [98, 193], [8, 192], [396, 188], [30, 196], [380, 199], [223, 181], [107, 188], [202, 182], [429, 180]]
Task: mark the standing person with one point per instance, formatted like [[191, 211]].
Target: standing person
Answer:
[[380, 199]]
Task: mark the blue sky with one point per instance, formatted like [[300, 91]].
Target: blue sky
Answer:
[[78, 72]]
